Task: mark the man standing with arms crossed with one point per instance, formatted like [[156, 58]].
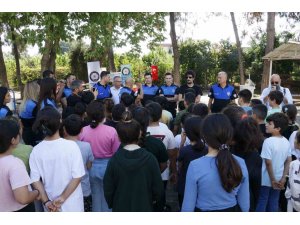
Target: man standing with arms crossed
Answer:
[[220, 94]]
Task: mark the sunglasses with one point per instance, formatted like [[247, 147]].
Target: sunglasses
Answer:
[[189, 77], [274, 82]]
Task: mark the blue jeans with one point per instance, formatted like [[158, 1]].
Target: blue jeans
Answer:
[[96, 179], [268, 200]]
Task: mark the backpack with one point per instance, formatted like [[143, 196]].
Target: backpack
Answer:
[[292, 192]]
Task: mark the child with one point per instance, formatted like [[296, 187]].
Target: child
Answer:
[[104, 142], [132, 180], [254, 102], [217, 181], [259, 114], [56, 166], [190, 152], [15, 192], [200, 109], [244, 100], [295, 138], [247, 143], [72, 128], [291, 111], [275, 99], [276, 155], [292, 191], [4, 99]]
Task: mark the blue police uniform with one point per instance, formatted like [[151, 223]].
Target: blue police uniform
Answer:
[[67, 92], [127, 90], [103, 91], [48, 102], [149, 92], [28, 116], [5, 111], [221, 96], [170, 92]]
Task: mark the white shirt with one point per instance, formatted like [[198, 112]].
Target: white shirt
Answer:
[[57, 163], [276, 149], [115, 94], [163, 133], [285, 91], [295, 152]]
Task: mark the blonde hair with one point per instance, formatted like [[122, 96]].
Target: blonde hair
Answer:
[[31, 92]]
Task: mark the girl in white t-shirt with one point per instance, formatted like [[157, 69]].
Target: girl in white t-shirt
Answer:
[[15, 191], [56, 166]]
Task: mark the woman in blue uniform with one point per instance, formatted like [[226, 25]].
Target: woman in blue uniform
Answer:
[[28, 111], [4, 99]]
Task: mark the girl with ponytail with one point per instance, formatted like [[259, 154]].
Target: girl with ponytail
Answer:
[[217, 181], [104, 142], [56, 165]]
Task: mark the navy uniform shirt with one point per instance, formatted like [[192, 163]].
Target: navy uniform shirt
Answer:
[[28, 115], [221, 96], [67, 92], [149, 92], [169, 92], [103, 91], [4, 112], [129, 91]]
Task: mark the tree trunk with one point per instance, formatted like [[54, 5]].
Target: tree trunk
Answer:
[[17, 59], [3, 73], [53, 53], [176, 68], [269, 48], [239, 48], [111, 60], [46, 55]]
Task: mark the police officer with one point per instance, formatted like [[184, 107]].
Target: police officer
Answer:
[[149, 89], [102, 87], [170, 91], [220, 94]]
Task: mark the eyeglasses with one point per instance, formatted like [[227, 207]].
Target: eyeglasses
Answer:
[[274, 82], [189, 77]]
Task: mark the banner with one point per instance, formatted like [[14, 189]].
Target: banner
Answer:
[[154, 72], [126, 72], [94, 71], [113, 74]]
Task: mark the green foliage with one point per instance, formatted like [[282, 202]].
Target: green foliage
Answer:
[[201, 57], [228, 59], [160, 58], [254, 54], [30, 68], [78, 62]]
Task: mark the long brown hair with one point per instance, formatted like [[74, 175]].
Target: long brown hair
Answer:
[[218, 132]]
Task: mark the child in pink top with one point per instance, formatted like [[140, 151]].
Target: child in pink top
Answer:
[[104, 142], [15, 194]]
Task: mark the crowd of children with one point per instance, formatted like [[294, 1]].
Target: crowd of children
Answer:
[[99, 150]]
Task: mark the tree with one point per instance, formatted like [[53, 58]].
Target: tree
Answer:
[[3, 73], [228, 58], [239, 48], [15, 27], [198, 56], [113, 29], [269, 48], [158, 56], [176, 68]]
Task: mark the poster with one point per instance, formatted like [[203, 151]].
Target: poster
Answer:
[[94, 71], [126, 72]]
